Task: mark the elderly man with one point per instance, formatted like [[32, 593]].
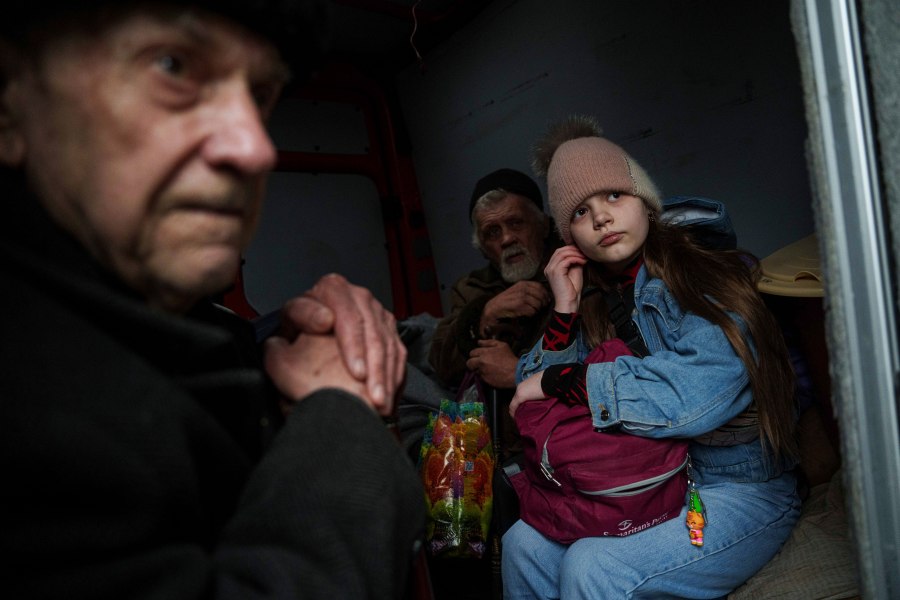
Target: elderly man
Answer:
[[144, 454], [497, 312]]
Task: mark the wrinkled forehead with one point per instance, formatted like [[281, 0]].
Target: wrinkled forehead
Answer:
[[122, 32], [49, 25], [296, 28], [510, 206]]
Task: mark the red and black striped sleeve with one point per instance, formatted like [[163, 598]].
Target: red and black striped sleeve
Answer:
[[568, 382], [560, 331]]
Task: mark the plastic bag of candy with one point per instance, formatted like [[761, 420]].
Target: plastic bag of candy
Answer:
[[456, 463]]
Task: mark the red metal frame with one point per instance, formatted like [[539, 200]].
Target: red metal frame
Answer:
[[413, 278]]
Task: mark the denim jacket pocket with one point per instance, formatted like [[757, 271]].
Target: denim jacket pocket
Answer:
[[662, 302]]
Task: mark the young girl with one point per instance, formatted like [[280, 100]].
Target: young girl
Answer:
[[715, 371]]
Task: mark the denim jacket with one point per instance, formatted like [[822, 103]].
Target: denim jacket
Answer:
[[691, 383]]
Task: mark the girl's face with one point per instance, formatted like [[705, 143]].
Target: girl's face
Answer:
[[611, 229]]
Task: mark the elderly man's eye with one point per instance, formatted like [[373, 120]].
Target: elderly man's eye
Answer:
[[491, 233], [171, 64], [175, 76]]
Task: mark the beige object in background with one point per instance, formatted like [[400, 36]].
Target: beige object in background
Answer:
[[793, 270]]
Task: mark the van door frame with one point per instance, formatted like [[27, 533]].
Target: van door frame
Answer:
[[860, 287]]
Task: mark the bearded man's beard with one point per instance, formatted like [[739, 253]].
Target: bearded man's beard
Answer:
[[526, 268]]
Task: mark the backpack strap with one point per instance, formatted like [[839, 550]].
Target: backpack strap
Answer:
[[620, 304]]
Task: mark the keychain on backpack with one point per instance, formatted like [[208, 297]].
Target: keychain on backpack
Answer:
[[696, 514]]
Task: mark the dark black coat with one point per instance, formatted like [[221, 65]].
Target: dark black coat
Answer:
[[135, 460]]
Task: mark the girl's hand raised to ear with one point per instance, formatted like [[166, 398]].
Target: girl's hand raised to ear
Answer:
[[565, 273]]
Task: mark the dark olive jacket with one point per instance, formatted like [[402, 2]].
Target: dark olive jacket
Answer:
[[140, 458], [457, 333]]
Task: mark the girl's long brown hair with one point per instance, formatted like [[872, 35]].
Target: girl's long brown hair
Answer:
[[711, 284]]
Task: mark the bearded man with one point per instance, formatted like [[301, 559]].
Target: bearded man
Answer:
[[498, 311]]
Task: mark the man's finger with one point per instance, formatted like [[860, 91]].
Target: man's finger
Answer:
[[304, 314], [349, 321], [378, 345]]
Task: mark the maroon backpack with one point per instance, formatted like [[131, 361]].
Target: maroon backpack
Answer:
[[576, 482]]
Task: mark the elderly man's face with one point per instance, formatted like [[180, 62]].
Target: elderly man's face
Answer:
[[512, 237], [146, 142]]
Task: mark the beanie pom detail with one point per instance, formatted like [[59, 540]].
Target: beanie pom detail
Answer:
[[577, 126]]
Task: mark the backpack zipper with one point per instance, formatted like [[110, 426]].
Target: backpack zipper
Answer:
[[638, 487]]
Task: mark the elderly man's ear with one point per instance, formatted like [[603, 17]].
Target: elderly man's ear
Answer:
[[12, 142]]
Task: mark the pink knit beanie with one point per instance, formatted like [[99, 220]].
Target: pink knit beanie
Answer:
[[578, 163]]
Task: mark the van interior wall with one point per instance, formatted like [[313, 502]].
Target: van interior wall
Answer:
[[316, 223], [705, 94], [343, 199]]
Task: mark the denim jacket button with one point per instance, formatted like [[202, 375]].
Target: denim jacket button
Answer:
[[604, 415]]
